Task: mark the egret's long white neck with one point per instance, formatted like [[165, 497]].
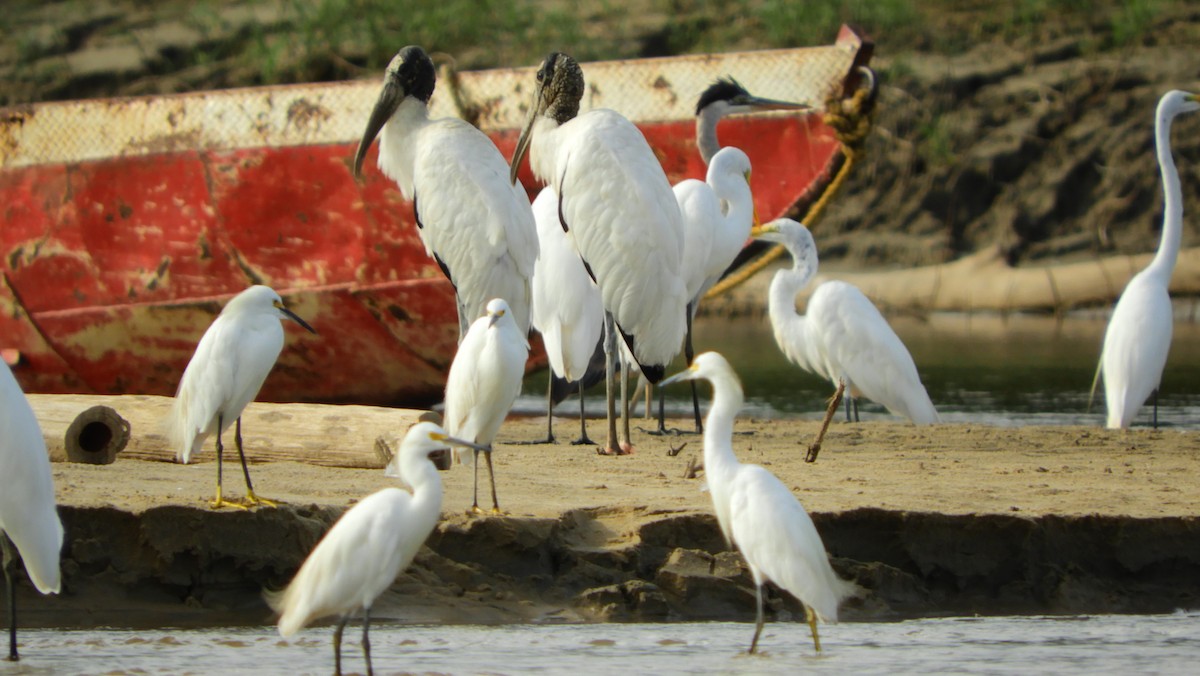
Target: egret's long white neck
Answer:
[[781, 303], [397, 143], [1172, 233], [426, 483], [718, 433], [733, 190], [706, 132]]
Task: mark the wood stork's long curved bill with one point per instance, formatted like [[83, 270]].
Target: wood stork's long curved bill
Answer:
[[389, 99], [526, 134]]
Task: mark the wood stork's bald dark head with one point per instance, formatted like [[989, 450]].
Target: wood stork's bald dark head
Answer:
[[557, 95], [409, 74]]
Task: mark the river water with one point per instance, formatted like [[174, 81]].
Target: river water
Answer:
[[1094, 645], [1015, 370]]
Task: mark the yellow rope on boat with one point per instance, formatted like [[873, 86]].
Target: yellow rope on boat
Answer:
[[851, 122]]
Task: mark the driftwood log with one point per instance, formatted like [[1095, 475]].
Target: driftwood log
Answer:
[[985, 282], [319, 434]]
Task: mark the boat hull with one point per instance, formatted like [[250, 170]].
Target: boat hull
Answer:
[[116, 259]]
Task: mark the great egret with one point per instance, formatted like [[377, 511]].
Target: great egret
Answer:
[[28, 516], [843, 337], [484, 381], [566, 306], [616, 205], [473, 222], [1139, 332], [370, 544], [758, 514], [718, 214], [230, 364]]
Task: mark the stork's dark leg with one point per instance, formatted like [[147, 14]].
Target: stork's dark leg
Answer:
[[834, 401], [366, 640], [583, 435], [550, 409], [337, 646], [758, 623], [610, 355], [10, 571], [627, 440]]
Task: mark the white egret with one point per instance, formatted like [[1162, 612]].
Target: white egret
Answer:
[[361, 555], [758, 514], [473, 222], [566, 306], [28, 516], [225, 374], [843, 337], [616, 205], [718, 214], [1139, 332], [727, 97], [484, 381]]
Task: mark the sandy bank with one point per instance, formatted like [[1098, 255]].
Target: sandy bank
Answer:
[[936, 520]]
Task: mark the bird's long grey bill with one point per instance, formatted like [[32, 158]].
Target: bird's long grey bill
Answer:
[[523, 140]]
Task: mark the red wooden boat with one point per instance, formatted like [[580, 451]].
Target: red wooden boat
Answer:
[[128, 222]]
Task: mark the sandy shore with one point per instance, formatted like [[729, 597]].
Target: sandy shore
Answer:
[[935, 520]]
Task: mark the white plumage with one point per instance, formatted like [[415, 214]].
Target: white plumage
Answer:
[[619, 213], [28, 515], [472, 220], [757, 513], [842, 336], [225, 373], [361, 555], [1138, 337], [484, 381]]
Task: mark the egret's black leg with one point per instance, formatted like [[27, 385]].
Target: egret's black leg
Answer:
[[337, 646], [758, 624], [366, 640], [251, 497], [10, 571], [220, 501], [492, 480], [475, 487], [583, 435], [1154, 398]]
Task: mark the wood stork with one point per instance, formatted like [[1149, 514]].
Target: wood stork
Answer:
[[1139, 332], [473, 222], [484, 381], [842, 337], [28, 517], [566, 307], [225, 374], [616, 205], [361, 555], [758, 513]]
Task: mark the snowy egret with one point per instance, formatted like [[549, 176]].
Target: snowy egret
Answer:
[[1139, 332], [616, 205], [484, 381], [727, 97], [473, 222], [758, 514], [718, 214], [370, 544], [566, 306], [230, 364], [843, 337], [28, 517]]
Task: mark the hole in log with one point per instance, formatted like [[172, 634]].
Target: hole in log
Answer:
[[96, 436]]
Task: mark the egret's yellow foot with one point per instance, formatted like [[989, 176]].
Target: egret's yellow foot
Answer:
[[254, 499], [219, 502]]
